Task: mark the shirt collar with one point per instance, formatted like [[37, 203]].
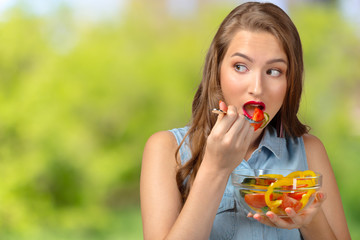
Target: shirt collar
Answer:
[[272, 142]]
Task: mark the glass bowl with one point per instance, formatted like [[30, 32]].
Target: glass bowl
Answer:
[[262, 190]]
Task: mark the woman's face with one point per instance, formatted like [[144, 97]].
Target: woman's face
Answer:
[[253, 73]]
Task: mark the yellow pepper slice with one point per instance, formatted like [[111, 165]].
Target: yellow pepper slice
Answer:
[[295, 174], [281, 182], [309, 173], [300, 174], [305, 198], [289, 181]]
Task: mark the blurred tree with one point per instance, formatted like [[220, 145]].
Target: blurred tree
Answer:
[[78, 103]]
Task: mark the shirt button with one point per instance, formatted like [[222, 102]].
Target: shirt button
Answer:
[[259, 150]]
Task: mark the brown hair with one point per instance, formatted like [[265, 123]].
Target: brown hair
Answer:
[[251, 16]]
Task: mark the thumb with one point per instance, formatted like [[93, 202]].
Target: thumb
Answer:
[[320, 197]]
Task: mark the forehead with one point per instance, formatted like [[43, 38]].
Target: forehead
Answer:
[[258, 44]]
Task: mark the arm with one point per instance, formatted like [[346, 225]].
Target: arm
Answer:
[[163, 215], [331, 216], [160, 198]]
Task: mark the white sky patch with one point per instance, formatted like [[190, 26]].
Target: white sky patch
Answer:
[[86, 10]]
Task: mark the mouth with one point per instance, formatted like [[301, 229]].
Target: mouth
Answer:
[[249, 108]]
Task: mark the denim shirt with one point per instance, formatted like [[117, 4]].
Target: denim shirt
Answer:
[[273, 153]]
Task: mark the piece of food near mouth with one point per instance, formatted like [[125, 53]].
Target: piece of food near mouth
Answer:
[[256, 116]]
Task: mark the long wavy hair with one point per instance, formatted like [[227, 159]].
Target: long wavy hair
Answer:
[[251, 16]]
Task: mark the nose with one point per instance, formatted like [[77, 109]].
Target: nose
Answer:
[[256, 85]]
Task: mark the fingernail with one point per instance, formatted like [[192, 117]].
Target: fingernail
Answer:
[[288, 211], [271, 216], [222, 105], [321, 196]]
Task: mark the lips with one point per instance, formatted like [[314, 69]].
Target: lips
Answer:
[[249, 108]]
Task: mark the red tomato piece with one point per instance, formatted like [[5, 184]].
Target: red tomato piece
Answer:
[[258, 116], [297, 195], [284, 187], [256, 200], [290, 202]]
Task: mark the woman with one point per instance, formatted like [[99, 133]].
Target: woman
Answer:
[[254, 61]]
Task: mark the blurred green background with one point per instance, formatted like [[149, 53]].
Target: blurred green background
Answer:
[[79, 98]]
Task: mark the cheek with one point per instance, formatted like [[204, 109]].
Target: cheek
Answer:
[[278, 93], [230, 85], [280, 90]]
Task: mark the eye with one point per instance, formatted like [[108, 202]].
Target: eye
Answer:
[[273, 72], [240, 67]]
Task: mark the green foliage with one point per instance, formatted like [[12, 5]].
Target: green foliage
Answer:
[[331, 104], [78, 102]]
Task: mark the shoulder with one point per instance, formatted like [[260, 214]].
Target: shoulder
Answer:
[[162, 137], [315, 152], [161, 142], [313, 143], [159, 150]]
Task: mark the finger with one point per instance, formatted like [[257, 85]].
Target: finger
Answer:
[[221, 115], [237, 128], [295, 218], [320, 197], [249, 128], [306, 215], [259, 217], [264, 220], [280, 222], [225, 121], [223, 107], [249, 131]]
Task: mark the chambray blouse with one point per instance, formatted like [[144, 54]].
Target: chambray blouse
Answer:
[[273, 152]]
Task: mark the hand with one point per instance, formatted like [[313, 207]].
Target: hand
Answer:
[[295, 220], [229, 140]]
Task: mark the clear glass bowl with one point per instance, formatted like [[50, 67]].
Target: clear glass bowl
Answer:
[[262, 190]]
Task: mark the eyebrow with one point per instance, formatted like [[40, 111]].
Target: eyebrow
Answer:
[[276, 60], [243, 56], [251, 60]]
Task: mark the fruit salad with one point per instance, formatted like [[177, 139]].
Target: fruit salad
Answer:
[[274, 192], [259, 119]]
